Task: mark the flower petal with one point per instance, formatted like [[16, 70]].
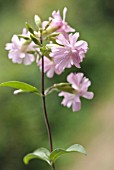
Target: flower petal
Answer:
[[64, 13], [76, 104], [88, 95]]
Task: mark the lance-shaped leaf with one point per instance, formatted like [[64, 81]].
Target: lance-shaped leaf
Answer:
[[59, 152], [21, 86], [66, 87], [41, 153]]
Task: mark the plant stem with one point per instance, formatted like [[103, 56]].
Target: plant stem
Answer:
[[46, 119], [44, 107]]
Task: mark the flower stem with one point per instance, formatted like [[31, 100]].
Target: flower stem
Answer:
[[46, 119], [44, 108]]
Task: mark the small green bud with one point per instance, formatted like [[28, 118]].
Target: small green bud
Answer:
[[37, 21], [49, 31], [30, 29]]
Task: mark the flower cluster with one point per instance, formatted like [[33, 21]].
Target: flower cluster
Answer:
[[19, 49], [62, 49]]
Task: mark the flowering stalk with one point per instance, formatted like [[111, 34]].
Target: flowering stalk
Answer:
[[54, 47], [44, 106]]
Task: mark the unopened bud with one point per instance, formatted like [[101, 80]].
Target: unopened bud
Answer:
[[37, 21]]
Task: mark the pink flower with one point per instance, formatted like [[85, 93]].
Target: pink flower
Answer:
[[80, 85], [49, 67], [18, 50], [58, 22], [69, 51]]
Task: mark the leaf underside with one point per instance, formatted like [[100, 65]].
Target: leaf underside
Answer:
[[59, 152], [41, 153]]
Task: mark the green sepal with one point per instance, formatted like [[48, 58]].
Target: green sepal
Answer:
[[49, 30], [59, 152], [31, 52], [41, 153], [35, 40], [48, 24], [24, 37], [23, 87], [52, 36], [30, 29], [66, 87]]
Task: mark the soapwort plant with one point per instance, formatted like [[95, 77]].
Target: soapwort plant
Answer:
[[54, 46]]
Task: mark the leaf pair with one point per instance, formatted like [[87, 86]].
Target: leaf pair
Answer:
[[24, 87], [50, 158]]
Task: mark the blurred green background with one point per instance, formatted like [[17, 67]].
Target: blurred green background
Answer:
[[22, 127]]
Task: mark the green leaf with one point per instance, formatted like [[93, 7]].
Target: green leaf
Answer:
[[23, 87], [66, 87], [37, 21], [35, 40], [77, 148], [59, 152], [41, 153], [30, 29]]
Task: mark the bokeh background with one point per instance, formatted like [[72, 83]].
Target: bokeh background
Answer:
[[22, 127]]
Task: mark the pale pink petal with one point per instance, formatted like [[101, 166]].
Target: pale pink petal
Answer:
[[50, 73], [68, 98], [75, 79], [8, 46], [73, 38], [84, 84], [49, 67], [62, 40], [88, 95], [82, 45], [56, 15], [15, 40], [29, 58], [62, 63], [81, 56], [76, 104], [76, 60], [22, 55]]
